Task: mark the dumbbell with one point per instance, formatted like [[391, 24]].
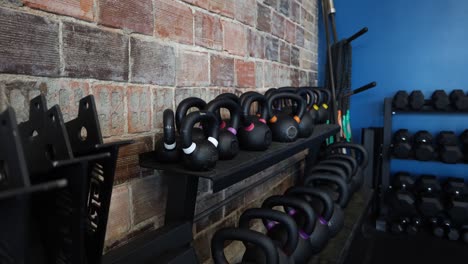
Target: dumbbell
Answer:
[[400, 198], [442, 227], [456, 193], [459, 100], [400, 100], [464, 141], [440, 100], [401, 144], [429, 202], [449, 149], [416, 100], [422, 146], [414, 226], [399, 225]]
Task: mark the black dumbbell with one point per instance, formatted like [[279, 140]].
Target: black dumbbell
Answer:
[[449, 149], [416, 100], [459, 100], [440, 100], [464, 141], [401, 144], [456, 193], [449, 230], [429, 201], [422, 146], [400, 100], [399, 225], [414, 226], [400, 197]]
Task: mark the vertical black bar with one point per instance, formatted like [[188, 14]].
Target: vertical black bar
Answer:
[[181, 199], [368, 143]]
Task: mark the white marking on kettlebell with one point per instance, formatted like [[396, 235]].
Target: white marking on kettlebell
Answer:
[[213, 140], [170, 146], [190, 149]]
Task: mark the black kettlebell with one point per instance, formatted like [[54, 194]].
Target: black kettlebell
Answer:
[[277, 105], [200, 154], [255, 241], [231, 96], [305, 218], [331, 214], [166, 147], [255, 134], [285, 128], [181, 112], [339, 192], [309, 96], [228, 145], [330, 169], [351, 160], [312, 230], [323, 106], [345, 167], [307, 124], [284, 233]]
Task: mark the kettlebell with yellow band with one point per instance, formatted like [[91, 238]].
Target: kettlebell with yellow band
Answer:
[[323, 113], [285, 128]]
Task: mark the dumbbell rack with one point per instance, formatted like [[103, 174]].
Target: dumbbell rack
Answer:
[[55, 190], [173, 242], [386, 155]]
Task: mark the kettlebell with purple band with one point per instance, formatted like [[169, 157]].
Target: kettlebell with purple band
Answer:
[[200, 154], [167, 148], [228, 145]]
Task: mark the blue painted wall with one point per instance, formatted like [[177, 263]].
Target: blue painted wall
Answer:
[[419, 44]]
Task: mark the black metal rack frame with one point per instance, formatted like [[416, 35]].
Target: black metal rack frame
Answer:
[[173, 241]]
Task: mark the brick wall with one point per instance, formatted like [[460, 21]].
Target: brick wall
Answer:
[[140, 57]]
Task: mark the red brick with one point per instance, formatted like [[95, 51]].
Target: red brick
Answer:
[[174, 21], [255, 44], [285, 53], [29, 44], [67, 94], [190, 75], [295, 11], [284, 77], [222, 71], [289, 31], [245, 72], [271, 74], [263, 18], [277, 25], [119, 222], [82, 9], [152, 63], [136, 16], [110, 108], [300, 36], [201, 3], [245, 11], [222, 7], [90, 52], [139, 109], [235, 39], [148, 198], [127, 163], [208, 31], [163, 99]]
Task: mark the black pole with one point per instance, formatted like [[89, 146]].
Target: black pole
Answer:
[[357, 35], [330, 65], [331, 13], [363, 88]]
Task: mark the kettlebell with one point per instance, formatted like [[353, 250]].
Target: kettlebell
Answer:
[[182, 110], [166, 147], [200, 154], [285, 128], [284, 233], [339, 156], [255, 134], [256, 241], [228, 145], [322, 108], [331, 214], [309, 96], [231, 96], [305, 218], [339, 193], [329, 169], [276, 104], [352, 180]]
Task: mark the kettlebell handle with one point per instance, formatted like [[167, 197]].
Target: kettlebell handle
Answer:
[[169, 130], [234, 111], [253, 97], [347, 145], [210, 126], [296, 204], [327, 93], [342, 186], [326, 200], [273, 215], [184, 106], [244, 235], [308, 96], [230, 96], [299, 111]]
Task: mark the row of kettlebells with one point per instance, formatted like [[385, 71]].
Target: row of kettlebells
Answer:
[[313, 213], [282, 115]]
